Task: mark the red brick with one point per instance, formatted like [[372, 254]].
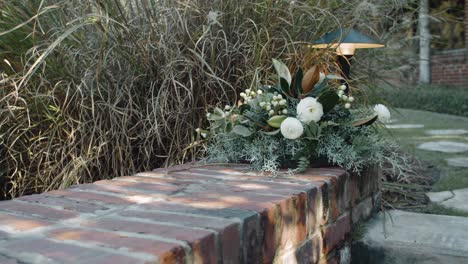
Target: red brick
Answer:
[[335, 233], [64, 253], [230, 239], [362, 210], [21, 224], [271, 237], [7, 260], [187, 220], [91, 196], [314, 210], [67, 204], [309, 252], [36, 210], [118, 190], [166, 252], [145, 186], [202, 242]]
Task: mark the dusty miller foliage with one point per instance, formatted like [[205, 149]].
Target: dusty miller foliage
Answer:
[[345, 146]]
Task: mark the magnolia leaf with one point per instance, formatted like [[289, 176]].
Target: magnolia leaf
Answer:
[[329, 100], [298, 81], [244, 107], [282, 71], [276, 121], [365, 121], [284, 86], [272, 133], [311, 77], [242, 130]]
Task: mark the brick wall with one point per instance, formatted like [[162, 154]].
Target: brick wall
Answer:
[[192, 214], [450, 67]]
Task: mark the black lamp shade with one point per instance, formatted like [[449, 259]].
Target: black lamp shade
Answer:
[[346, 41]]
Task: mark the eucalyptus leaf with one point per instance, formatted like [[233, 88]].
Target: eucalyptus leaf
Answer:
[[242, 130], [276, 121], [282, 71]]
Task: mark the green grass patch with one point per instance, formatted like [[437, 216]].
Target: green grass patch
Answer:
[[434, 98], [441, 210], [447, 177]]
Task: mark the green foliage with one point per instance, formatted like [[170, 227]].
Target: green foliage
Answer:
[[434, 98], [96, 89]]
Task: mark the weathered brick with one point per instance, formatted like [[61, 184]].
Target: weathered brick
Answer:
[[202, 242], [269, 219], [67, 204], [309, 252], [15, 224], [141, 186], [90, 196], [252, 239], [63, 253], [166, 252], [362, 210], [336, 233], [314, 210], [8, 260], [36, 210]]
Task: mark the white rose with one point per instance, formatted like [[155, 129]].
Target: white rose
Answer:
[[382, 112], [291, 128], [309, 110]]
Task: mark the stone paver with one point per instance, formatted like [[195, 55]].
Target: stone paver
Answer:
[[444, 146], [456, 199], [404, 126], [458, 162], [404, 237], [446, 132]]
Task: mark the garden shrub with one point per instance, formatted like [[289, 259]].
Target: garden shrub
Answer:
[[98, 89], [434, 98]]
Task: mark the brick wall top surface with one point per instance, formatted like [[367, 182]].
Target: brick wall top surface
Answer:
[[185, 214]]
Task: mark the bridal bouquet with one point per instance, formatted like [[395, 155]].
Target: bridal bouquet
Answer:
[[306, 119]]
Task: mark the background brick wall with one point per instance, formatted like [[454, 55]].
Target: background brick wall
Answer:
[[450, 67]]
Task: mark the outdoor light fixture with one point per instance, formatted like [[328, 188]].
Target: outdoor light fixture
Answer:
[[346, 41]]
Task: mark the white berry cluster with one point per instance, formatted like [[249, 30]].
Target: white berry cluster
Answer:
[[346, 99], [274, 105], [248, 95]]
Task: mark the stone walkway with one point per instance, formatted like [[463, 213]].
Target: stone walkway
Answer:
[[456, 199], [404, 237]]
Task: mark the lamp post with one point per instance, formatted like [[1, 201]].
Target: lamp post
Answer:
[[345, 42]]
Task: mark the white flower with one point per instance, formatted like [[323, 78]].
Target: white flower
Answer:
[[268, 108], [309, 110], [347, 105], [279, 96], [382, 112], [275, 97], [351, 99], [243, 94], [274, 103], [291, 128], [247, 91], [340, 93]]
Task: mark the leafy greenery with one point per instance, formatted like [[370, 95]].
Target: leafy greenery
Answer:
[[434, 98], [268, 135], [96, 89]]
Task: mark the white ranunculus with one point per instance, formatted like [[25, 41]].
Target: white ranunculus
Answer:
[[291, 128], [309, 109], [382, 112]]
